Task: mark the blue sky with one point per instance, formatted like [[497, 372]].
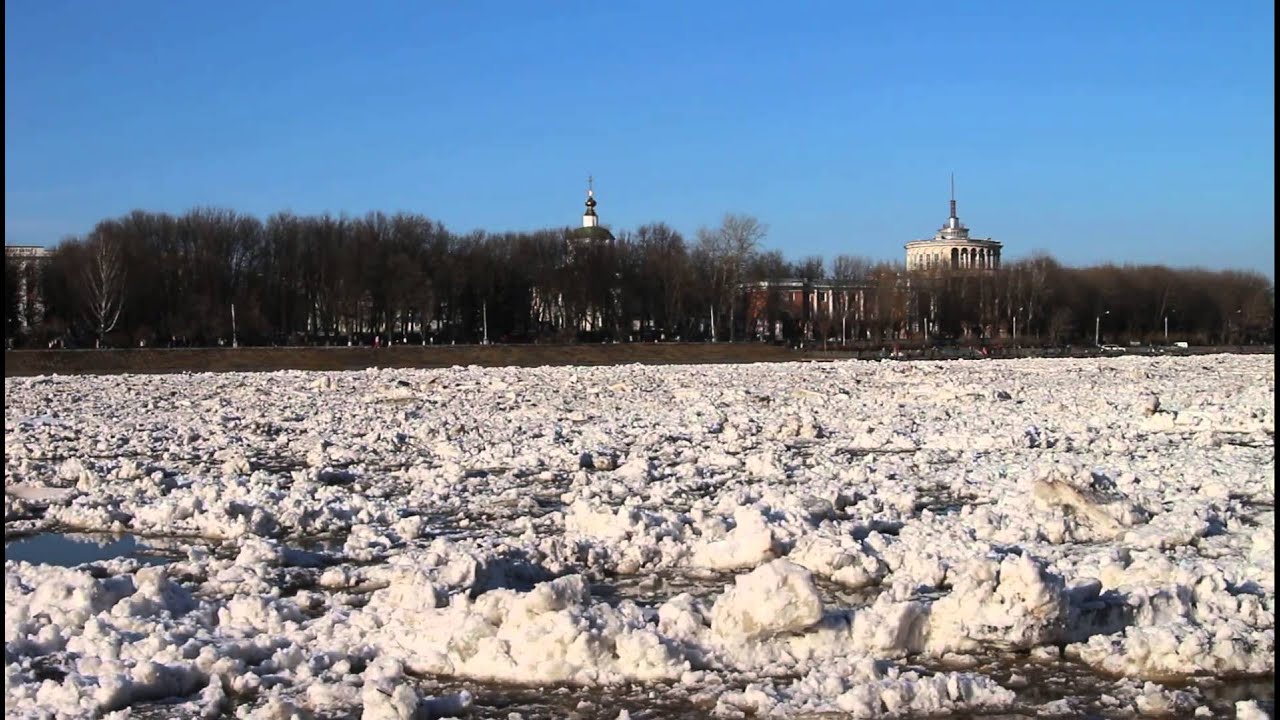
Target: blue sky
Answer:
[[1097, 131]]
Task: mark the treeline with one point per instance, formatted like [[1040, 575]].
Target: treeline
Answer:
[[1042, 301], [211, 277]]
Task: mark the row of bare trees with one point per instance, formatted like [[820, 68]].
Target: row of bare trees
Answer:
[[1040, 300], [216, 276]]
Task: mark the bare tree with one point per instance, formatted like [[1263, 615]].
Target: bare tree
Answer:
[[851, 268], [741, 235], [813, 267], [730, 247], [1060, 325], [104, 282]]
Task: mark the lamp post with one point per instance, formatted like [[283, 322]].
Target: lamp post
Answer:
[[1097, 328]]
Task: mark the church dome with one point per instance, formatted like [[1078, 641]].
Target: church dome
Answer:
[[594, 232], [590, 229]]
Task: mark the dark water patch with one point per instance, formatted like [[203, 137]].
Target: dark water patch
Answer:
[[281, 465], [484, 472], [19, 510], [647, 701], [683, 494], [884, 527], [1036, 683], [291, 580], [855, 452], [55, 667], [505, 509], [72, 549], [651, 701], [939, 506], [1039, 682], [656, 588], [463, 524], [547, 503], [1225, 693], [834, 595], [939, 500], [329, 546], [1220, 696]]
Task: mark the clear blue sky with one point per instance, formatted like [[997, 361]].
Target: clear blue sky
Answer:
[[1130, 131]]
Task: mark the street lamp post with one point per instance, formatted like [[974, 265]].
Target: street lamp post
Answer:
[[1097, 328]]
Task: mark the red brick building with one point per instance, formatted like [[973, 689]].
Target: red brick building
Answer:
[[798, 309]]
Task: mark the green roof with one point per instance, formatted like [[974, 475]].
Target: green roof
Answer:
[[590, 233]]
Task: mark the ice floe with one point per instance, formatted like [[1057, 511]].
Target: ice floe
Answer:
[[860, 539]]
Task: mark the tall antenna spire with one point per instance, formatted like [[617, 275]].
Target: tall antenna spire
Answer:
[[953, 195]]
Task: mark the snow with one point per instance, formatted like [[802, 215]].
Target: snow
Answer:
[[863, 539]]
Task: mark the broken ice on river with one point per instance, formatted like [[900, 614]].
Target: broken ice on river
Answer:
[[1044, 538]]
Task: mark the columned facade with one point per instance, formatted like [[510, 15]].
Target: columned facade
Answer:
[[953, 249], [801, 308], [28, 262]]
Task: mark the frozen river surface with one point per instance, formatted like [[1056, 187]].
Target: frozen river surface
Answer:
[[1038, 538]]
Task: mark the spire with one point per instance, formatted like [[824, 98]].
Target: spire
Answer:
[[953, 195], [953, 229], [589, 218]]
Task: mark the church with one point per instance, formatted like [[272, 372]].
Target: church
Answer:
[[591, 230], [551, 309]]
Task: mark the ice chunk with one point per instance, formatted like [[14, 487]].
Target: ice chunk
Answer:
[[1105, 514], [777, 597], [842, 559], [1013, 603], [1250, 710], [748, 544]]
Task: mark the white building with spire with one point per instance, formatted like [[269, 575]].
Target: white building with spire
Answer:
[[591, 229], [952, 248], [548, 306]]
